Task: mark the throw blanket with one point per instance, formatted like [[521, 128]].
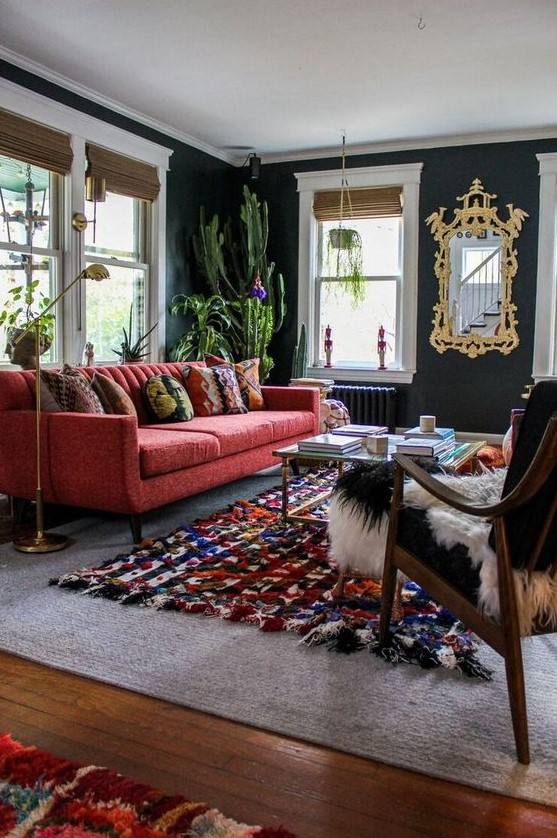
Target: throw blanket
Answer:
[[357, 534]]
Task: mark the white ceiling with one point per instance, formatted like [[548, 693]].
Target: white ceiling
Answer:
[[286, 78]]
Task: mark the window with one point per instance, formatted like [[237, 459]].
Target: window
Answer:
[[117, 239], [29, 247], [388, 296], [545, 338], [126, 232]]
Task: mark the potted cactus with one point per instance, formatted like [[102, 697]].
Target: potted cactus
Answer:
[[233, 261]]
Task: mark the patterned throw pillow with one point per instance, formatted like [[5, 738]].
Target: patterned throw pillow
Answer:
[[213, 390], [167, 399], [112, 396], [72, 392], [247, 376]]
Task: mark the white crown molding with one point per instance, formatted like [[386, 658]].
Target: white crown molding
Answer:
[[547, 133], [62, 81]]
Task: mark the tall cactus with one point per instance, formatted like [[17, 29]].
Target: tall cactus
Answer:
[[231, 265], [300, 355]]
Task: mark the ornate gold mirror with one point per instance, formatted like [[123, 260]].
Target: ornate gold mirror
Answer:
[[475, 266]]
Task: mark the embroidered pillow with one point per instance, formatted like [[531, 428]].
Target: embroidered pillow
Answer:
[[213, 390], [247, 376], [48, 402], [72, 392], [112, 395], [166, 399]]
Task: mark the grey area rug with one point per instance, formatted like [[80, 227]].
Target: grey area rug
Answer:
[[436, 722]]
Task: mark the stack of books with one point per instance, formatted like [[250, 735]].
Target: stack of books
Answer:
[[420, 447], [330, 444], [444, 437], [360, 430], [312, 382], [446, 434]]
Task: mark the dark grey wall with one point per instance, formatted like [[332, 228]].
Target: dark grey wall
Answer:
[[469, 394]]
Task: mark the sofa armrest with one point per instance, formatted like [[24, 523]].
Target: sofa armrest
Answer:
[[291, 398], [294, 398], [93, 459]]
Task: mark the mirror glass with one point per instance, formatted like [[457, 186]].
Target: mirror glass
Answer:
[[475, 265]]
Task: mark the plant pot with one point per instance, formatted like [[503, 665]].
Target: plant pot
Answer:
[[344, 239], [24, 352]]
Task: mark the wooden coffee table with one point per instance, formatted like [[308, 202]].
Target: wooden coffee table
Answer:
[[462, 454]]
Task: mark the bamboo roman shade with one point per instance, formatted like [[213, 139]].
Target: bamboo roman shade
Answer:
[[122, 174], [35, 143], [375, 202]]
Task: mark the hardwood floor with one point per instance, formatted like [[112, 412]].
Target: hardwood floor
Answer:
[[249, 774]]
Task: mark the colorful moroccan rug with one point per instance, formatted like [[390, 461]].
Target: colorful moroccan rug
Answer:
[[244, 564], [43, 796]]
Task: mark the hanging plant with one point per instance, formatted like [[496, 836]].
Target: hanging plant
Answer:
[[346, 258], [345, 245]]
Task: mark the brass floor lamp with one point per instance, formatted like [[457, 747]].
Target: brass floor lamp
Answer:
[[42, 542]]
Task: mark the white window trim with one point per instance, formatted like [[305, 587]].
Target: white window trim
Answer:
[[545, 333], [84, 128], [408, 175]]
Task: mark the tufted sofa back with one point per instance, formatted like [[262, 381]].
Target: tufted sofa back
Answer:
[[17, 387]]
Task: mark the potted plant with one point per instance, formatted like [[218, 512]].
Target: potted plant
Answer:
[[345, 258], [133, 351], [23, 305], [208, 333], [233, 261]]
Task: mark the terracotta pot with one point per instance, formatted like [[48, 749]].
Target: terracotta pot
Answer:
[[24, 352]]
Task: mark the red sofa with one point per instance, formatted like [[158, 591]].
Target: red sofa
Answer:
[[129, 464]]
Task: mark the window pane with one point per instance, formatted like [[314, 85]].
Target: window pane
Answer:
[[113, 228], [355, 328], [15, 273], [24, 189], [108, 310], [380, 245]]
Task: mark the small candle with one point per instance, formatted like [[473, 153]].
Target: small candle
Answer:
[[427, 424]]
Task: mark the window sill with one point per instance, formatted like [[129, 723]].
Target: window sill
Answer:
[[387, 376]]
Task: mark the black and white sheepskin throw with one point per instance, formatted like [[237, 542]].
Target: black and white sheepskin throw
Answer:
[[358, 521]]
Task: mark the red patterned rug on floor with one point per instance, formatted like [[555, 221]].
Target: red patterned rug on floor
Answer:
[[43, 796], [244, 564]]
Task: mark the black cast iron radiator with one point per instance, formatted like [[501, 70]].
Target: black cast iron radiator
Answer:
[[368, 405]]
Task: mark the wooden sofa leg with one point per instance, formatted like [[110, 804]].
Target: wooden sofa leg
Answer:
[[135, 526]]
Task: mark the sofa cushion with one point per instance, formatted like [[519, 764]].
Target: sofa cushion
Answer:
[[233, 434], [289, 423], [167, 399], [213, 390], [72, 392], [247, 376], [112, 396], [164, 451]]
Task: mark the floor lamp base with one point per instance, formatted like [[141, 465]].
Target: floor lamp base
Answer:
[[40, 543]]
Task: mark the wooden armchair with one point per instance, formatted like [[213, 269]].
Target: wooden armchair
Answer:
[[522, 545]]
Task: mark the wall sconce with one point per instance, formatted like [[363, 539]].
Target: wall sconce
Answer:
[[95, 191]]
